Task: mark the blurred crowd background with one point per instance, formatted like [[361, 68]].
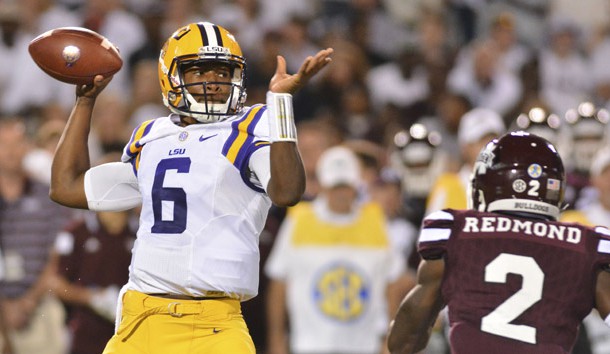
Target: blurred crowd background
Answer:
[[414, 88]]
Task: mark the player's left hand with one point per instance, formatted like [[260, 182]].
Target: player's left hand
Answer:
[[282, 82]]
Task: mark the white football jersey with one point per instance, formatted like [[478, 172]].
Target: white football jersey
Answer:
[[202, 208]]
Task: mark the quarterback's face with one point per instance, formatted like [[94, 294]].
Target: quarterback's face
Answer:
[[215, 79]]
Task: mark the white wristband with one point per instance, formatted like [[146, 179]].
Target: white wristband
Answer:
[[281, 117]]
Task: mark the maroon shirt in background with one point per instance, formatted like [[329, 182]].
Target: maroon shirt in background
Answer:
[[529, 259], [98, 259]]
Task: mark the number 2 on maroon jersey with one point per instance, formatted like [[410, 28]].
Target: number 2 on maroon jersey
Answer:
[[498, 321]]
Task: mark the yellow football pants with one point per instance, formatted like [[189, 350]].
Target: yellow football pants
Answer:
[[155, 325]]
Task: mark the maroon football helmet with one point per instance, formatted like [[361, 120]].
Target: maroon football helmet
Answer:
[[518, 173]]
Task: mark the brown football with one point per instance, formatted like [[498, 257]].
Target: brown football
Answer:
[[75, 55]]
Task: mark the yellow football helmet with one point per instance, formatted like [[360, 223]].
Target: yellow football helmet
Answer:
[[198, 43]]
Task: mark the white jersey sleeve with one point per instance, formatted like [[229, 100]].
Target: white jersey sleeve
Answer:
[[260, 164], [112, 187]]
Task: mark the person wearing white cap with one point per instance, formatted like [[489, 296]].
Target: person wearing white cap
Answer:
[[477, 127], [333, 271], [596, 213]]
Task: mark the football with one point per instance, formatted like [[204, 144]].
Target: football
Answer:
[[75, 55]]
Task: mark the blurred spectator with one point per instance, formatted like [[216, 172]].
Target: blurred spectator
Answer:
[[13, 38], [333, 20], [465, 16], [477, 127], [412, 11], [587, 131], [387, 191], [29, 222], [418, 159], [600, 70], [484, 80], [333, 268], [590, 16], [110, 130], [35, 90], [357, 119], [152, 16], [246, 21], [565, 77], [144, 103], [530, 82], [86, 281], [403, 84], [314, 138], [123, 28], [372, 158], [529, 18], [438, 54], [275, 14], [262, 67], [24, 88], [449, 111], [180, 13], [38, 160], [538, 121], [44, 15], [512, 54], [296, 44], [377, 33], [348, 70]]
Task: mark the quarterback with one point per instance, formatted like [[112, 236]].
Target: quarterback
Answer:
[[205, 177]]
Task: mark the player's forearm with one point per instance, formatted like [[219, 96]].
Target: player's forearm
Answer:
[[71, 159], [602, 296], [414, 319], [287, 183], [419, 310], [408, 331]]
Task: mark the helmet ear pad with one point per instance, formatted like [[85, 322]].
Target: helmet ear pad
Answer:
[[519, 172]]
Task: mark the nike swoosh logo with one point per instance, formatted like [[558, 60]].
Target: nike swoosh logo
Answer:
[[204, 138], [215, 330]]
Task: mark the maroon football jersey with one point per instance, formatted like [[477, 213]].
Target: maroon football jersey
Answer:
[[514, 285]]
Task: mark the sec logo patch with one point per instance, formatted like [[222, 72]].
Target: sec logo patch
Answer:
[[342, 293]]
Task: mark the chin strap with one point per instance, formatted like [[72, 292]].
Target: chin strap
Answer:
[[281, 117]]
